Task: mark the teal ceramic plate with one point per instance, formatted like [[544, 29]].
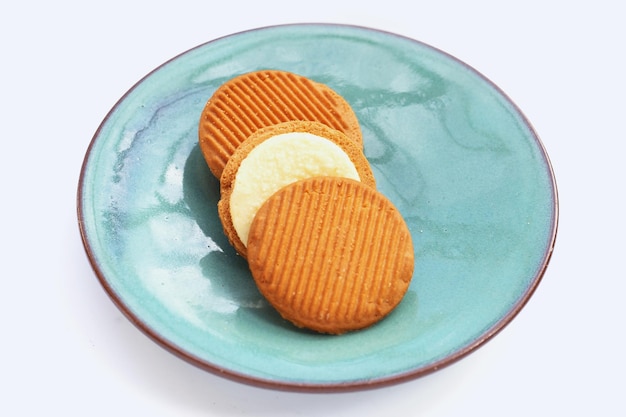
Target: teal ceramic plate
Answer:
[[447, 147]]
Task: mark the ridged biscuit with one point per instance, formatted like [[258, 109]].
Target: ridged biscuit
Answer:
[[330, 254], [258, 99], [229, 175]]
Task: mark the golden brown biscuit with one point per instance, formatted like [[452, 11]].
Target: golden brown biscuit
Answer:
[[330, 254], [290, 165], [258, 99]]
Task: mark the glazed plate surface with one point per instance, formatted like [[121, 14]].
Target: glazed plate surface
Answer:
[[447, 147]]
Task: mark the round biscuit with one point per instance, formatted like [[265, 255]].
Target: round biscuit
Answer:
[[331, 254], [229, 173], [258, 99]]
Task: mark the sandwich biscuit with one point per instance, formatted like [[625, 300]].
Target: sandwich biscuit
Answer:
[[275, 156]]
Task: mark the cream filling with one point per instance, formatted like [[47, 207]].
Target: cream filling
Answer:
[[277, 162]]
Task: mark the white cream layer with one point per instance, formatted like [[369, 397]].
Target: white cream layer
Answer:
[[279, 161]]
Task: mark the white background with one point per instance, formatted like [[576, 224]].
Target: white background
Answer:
[[65, 347]]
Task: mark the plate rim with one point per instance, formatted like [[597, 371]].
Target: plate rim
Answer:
[[354, 385]]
